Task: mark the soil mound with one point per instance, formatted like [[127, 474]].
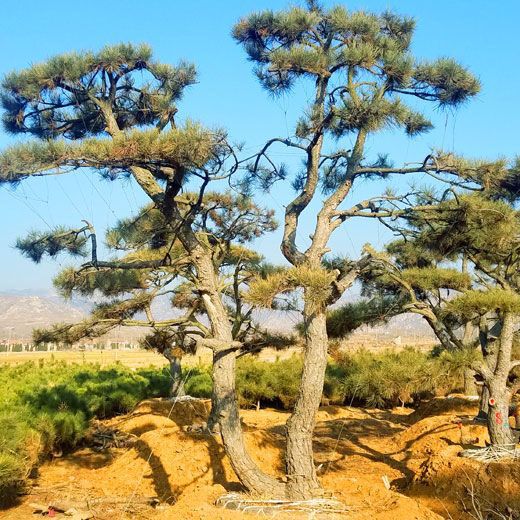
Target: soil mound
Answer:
[[156, 414], [364, 458], [434, 434], [493, 487], [452, 405]]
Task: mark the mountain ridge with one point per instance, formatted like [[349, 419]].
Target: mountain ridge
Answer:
[[21, 312]]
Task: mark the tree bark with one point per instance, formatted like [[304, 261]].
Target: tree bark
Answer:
[[224, 401], [470, 387], [301, 473], [483, 407], [177, 384], [500, 433], [496, 379], [227, 411]]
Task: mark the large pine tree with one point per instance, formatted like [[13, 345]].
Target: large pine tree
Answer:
[[364, 79], [130, 287], [114, 112], [458, 264]]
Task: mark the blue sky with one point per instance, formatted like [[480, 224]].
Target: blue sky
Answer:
[[478, 33]]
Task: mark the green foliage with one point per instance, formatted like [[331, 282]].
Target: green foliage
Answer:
[[109, 283], [407, 254], [387, 378], [198, 382], [347, 318], [318, 42], [189, 146], [477, 303], [48, 406], [316, 282], [35, 245], [451, 365], [433, 279], [272, 384], [59, 97], [471, 223]]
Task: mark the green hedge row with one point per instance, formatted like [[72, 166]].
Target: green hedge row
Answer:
[[47, 406], [363, 378]]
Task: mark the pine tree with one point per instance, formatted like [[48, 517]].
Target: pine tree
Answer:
[[114, 112], [482, 230], [130, 290], [362, 72]]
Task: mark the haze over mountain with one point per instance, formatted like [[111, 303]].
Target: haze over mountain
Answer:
[[21, 311]]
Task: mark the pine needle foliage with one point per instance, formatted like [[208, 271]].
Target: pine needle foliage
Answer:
[[321, 42], [57, 97], [433, 279], [108, 283], [477, 302], [36, 244], [48, 406], [390, 377], [316, 283], [189, 146], [471, 223], [346, 319]]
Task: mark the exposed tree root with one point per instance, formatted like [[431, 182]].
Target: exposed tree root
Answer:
[[492, 453], [317, 506]]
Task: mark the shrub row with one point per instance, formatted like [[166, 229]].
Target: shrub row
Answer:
[[381, 379], [47, 406]]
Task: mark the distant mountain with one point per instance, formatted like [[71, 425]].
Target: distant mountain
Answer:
[[407, 326], [21, 312]]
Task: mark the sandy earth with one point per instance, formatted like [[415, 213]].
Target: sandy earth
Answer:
[[357, 450]]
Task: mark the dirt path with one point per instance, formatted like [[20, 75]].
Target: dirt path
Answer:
[[384, 465]]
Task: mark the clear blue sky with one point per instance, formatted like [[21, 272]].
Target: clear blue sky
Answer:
[[480, 34]]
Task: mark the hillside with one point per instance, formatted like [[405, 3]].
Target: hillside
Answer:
[[20, 313]]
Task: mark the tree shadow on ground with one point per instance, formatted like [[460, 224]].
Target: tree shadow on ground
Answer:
[[160, 477]]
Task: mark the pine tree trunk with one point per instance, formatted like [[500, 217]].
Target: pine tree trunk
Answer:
[[439, 329], [470, 387], [301, 473], [226, 410], [177, 388], [500, 433], [224, 402], [483, 407], [213, 425]]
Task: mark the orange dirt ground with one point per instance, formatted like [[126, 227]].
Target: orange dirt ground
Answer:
[[357, 450]]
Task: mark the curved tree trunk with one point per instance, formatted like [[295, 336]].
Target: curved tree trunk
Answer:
[[224, 401], [226, 410], [500, 433], [301, 473], [177, 383], [496, 379]]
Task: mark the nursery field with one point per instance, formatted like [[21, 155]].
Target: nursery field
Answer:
[[106, 442], [386, 440], [128, 358], [322, 262]]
